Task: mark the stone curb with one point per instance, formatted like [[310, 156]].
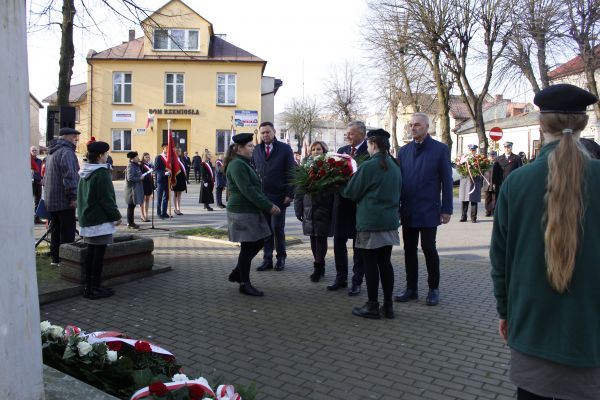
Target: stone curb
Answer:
[[225, 242]]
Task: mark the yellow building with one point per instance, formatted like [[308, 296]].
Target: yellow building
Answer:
[[179, 73]]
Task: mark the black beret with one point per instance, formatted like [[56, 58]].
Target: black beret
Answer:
[[242, 138], [68, 131], [98, 147], [378, 132], [564, 99], [132, 154]]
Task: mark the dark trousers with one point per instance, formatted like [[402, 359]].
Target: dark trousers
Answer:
[[490, 202], [248, 250], [94, 260], [318, 245], [525, 395], [130, 210], [378, 265], [277, 239], [162, 198], [219, 196], [432, 260], [340, 254], [63, 231], [197, 174], [37, 196], [465, 208]]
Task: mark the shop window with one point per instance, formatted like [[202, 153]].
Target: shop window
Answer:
[[176, 39], [223, 139], [226, 89], [121, 87], [121, 139], [174, 88]]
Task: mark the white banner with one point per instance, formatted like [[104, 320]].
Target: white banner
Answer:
[[123, 116]]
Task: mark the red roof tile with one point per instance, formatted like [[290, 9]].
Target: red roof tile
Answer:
[[571, 67]]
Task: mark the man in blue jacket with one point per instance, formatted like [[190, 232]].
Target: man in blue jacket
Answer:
[[274, 163], [426, 171]]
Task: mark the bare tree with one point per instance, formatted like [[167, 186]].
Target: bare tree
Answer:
[[583, 21], [301, 116], [344, 93]]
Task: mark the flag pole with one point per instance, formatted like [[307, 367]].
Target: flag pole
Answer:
[[170, 139]]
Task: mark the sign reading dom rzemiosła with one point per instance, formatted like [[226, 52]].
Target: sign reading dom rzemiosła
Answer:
[[160, 111]]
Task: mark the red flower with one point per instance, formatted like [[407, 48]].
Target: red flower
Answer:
[[114, 346], [71, 330], [158, 389], [340, 163], [196, 392], [346, 171], [142, 347], [322, 172], [320, 163], [331, 161]]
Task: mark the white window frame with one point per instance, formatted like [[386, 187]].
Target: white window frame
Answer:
[[172, 45], [228, 86], [123, 84], [227, 134], [175, 84], [121, 133]]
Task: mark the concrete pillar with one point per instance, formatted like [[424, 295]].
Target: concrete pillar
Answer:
[[20, 349]]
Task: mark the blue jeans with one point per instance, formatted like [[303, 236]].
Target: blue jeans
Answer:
[[277, 239], [162, 197]]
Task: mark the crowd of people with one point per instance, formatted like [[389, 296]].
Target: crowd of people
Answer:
[[543, 245]]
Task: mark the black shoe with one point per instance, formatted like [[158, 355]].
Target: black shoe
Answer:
[[387, 310], [407, 295], [474, 220], [464, 219], [209, 209], [133, 226], [222, 206], [433, 297], [369, 310], [247, 288], [96, 293], [234, 276], [354, 290], [337, 284], [265, 266], [488, 214], [280, 264], [318, 273]]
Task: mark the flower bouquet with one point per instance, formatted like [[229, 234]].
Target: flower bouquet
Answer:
[[472, 166], [183, 388], [324, 172]]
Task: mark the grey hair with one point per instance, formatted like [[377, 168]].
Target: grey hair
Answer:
[[424, 116], [360, 125]]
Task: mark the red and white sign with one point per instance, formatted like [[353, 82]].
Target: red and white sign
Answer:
[[496, 133]]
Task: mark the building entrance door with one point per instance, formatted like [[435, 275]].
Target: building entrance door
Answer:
[[179, 138]]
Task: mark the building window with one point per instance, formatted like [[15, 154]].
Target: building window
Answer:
[[121, 87], [176, 39], [121, 139], [174, 89], [226, 89], [223, 139]]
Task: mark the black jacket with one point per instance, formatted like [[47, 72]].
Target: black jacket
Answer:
[[315, 211], [275, 173], [503, 167]]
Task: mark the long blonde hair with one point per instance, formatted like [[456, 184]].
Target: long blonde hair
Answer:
[[564, 204]]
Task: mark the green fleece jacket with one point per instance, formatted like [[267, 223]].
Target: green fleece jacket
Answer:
[[245, 194], [96, 196], [377, 195], [563, 328]]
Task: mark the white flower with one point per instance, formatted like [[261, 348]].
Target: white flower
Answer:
[[111, 356], [180, 378], [56, 331], [202, 381], [83, 348], [44, 326]]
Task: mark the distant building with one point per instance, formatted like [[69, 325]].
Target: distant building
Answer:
[[35, 137]]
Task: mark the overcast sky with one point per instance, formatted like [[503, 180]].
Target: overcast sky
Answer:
[[301, 40]]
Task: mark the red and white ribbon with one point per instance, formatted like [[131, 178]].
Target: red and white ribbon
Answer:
[[110, 336], [145, 392]]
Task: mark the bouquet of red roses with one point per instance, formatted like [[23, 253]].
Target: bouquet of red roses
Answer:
[[324, 172], [472, 166]]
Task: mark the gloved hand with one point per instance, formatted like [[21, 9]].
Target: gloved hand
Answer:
[[300, 218], [206, 184], [168, 173]]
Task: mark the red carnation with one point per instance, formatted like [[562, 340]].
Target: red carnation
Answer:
[[196, 392], [114, 346], [322, 172], [340, 163], [158, 389], [142, 347], [320, 163]]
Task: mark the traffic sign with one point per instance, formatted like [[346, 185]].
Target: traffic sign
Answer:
[[496, 133]]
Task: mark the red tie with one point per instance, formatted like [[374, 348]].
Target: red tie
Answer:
[[353, 151], [268, 151]]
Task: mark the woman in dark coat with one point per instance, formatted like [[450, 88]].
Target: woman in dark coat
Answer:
[[180, 185], [148, 184], [315, 212], [208, 183]]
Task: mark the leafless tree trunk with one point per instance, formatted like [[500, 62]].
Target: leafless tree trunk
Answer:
[[344, 93], [301, 116], [67, 53]]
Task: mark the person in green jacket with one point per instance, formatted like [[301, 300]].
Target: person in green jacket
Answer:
[[375, 187], [98, 215], [245, 219], [544, 255]]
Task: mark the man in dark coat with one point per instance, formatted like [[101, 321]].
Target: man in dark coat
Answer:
[[207, 184], [162, 183], [60, 183], [187, 163], [504, 165], [274, 163], [221, 181], [344, 218], [36, 181], [426, 171], [488, 187], [197, 165]]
